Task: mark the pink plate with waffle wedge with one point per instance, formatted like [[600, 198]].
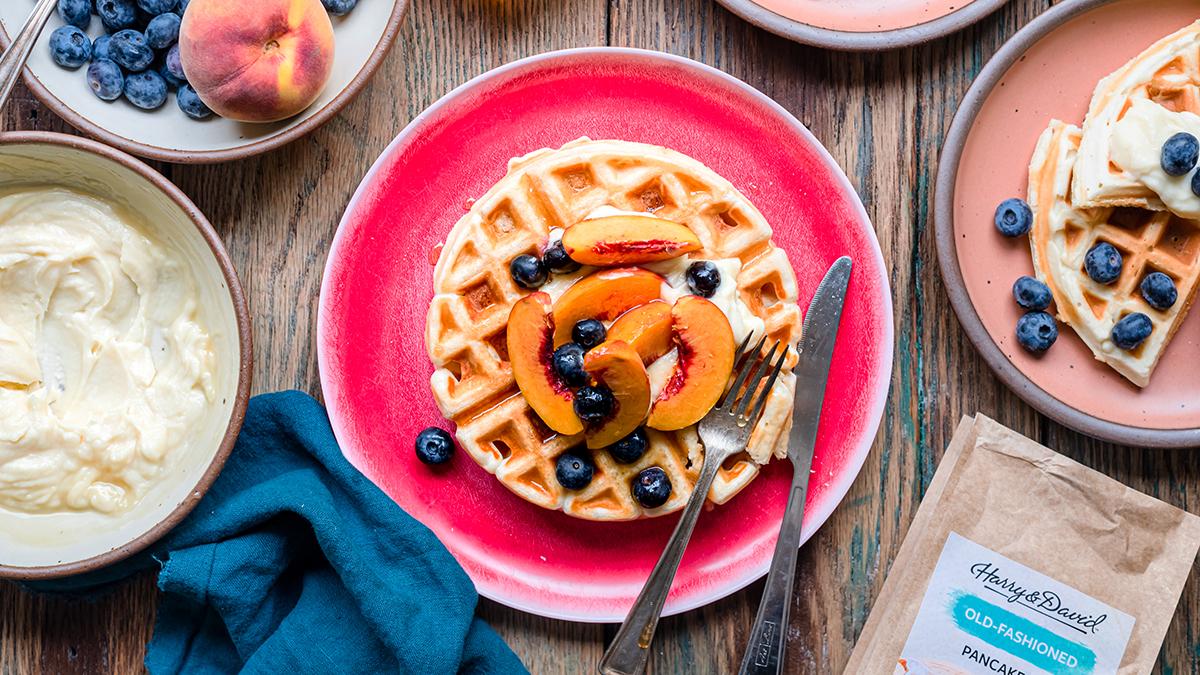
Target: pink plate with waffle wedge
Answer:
[[378, 285]]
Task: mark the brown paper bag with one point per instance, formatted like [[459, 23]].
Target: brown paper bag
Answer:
[[1022, 561]]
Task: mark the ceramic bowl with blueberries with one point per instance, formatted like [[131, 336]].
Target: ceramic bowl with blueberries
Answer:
[[171, 79]]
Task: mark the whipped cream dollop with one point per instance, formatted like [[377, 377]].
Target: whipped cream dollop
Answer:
[[104, 368], [1137, 144]]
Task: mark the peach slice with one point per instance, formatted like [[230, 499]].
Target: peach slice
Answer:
[[647, 329], [530, 329], [706, 348], [605, 296], [618, 366], [627, 240]]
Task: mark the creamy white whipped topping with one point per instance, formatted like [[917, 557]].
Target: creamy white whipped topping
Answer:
[[103, 366], [1137, 143]]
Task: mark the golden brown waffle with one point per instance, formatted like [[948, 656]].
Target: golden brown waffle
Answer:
[[1149, 241], [1167, 73], [466, 338]]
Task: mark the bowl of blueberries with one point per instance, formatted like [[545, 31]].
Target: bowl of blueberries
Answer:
[[116, 70]]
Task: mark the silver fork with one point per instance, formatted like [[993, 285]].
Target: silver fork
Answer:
[[14, 59], [725, 430]]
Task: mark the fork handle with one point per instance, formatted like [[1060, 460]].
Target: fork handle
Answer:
[[768, 637], [630, 649], [13, 61]]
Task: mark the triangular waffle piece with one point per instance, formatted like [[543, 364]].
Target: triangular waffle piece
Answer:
[[1168, 73], [1149, 241]]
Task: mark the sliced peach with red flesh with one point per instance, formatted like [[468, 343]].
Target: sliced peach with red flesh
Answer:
[[628, 240], [604, 296], [618, 366], [530, 347], [706, 349], [647, 329]]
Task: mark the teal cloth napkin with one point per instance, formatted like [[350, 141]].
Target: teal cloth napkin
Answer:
[[294, 562]]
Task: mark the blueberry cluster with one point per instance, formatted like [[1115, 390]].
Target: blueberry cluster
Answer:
[[530, 272], [1036, 329], [137, 56], [1180, 154]]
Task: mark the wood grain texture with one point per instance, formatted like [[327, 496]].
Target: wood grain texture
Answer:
[[883, 117]]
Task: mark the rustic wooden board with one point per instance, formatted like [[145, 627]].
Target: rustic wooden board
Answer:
[[882, 117]]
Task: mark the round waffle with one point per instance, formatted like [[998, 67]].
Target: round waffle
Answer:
[[1149, 241], [1167, 73], [474, 293]]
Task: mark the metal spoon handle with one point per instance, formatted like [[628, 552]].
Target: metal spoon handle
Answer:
[[630, 649], [13, 61]]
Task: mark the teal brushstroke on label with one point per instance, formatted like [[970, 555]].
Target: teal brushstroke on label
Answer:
[[1021, 637]]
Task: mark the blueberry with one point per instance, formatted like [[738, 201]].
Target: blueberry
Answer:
[[652, 487], [77, 13], [589, 333], [574, 471], [100, 48], [174, 64], [116, 14], [527, 271], [156, 7], [1196, 184], [1132, 331], [1013, 217], [183, 4], [1103, 263], [172, 81], [1179, 154], [1031, 294], [1037, 331], [190, 103], [434, 446], [130, 51], [703, 278], [557, 260], [593, 404], [70, 47], [146, 90], [163, 30], [106, 80], [568, 363], [1159, 290], [631, 448], [339, 7]]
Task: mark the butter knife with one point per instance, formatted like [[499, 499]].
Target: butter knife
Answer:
[[768, 636]]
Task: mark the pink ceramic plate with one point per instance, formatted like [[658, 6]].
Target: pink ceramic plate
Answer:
[[1048, 70], [378, 283], [862, 24]]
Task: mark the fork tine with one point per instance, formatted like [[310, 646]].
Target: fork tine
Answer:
[[766, 391], [740, 368], [752, 383]]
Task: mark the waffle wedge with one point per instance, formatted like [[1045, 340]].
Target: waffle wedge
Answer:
[[466, 327], [1149, 241], [1167, 73]]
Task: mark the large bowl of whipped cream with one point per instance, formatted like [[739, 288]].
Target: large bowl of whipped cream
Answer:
[[125, 355]]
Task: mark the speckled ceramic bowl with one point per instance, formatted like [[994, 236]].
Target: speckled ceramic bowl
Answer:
[[363, 38], [46, 546]]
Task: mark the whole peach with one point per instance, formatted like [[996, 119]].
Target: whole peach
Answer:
[[259, 61]]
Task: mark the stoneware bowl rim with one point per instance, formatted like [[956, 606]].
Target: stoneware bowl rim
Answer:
[[872, 41], [309, 125], [952, 276], [244, 371]]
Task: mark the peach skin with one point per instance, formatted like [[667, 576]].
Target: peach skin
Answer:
[[260, 61]]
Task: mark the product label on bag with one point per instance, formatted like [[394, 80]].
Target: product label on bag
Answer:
[[984, 613]]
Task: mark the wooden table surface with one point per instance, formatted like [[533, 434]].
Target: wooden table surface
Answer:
[[882, 116]]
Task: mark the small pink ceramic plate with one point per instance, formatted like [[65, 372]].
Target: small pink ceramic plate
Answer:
[[378, 284], [1049, 70], [862, 25]]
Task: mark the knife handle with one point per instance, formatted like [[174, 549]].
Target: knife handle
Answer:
[[768, 636]]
